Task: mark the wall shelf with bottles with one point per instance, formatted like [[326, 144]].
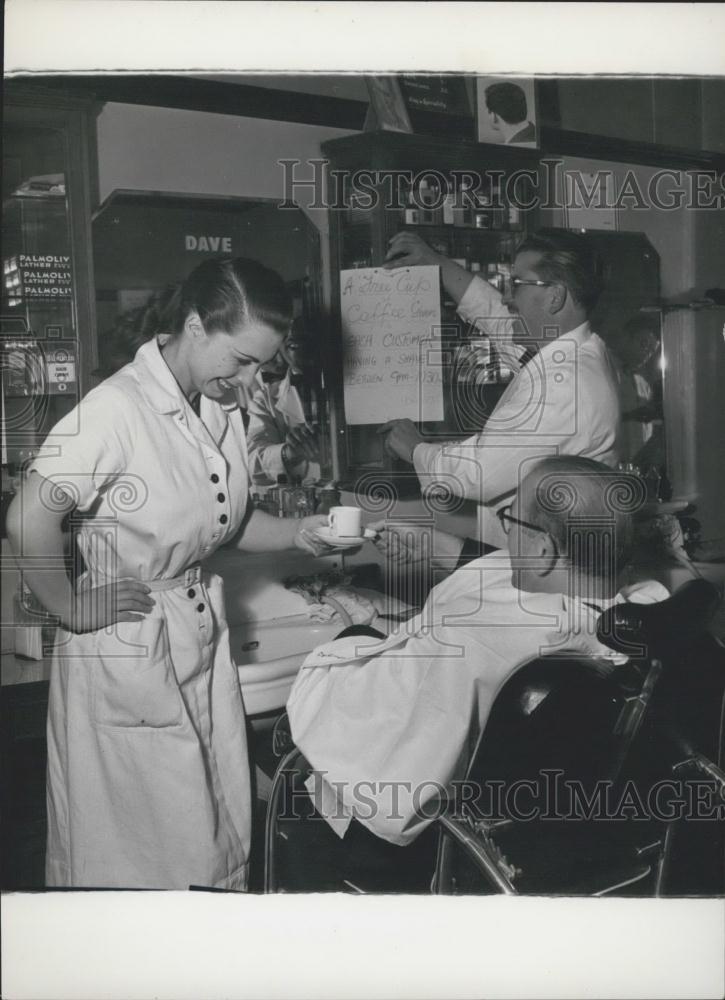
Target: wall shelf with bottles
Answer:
[[463, 199]]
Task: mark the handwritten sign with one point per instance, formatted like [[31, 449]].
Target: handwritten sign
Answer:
[[392, 365]]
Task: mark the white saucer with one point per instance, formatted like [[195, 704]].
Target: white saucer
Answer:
[[339, 541]]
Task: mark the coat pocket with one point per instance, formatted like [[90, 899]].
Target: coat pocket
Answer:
[[133, 682]]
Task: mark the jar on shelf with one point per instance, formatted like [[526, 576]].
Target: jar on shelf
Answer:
[[410, 213], [448, 210], [428, 199]]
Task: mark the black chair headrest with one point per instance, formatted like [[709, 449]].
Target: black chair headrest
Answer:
[[627, 628]]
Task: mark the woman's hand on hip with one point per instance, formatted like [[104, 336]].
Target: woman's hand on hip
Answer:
[[120, 601]]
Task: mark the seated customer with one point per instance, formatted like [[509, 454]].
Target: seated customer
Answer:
[[389, 723]]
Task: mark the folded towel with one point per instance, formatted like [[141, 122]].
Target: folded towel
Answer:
[[350, 607]]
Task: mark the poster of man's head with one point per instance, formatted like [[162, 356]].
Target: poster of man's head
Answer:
[[507, 111]]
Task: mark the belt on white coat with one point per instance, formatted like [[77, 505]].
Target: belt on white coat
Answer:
[[188, 578]]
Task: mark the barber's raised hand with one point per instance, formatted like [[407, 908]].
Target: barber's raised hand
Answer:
[[409, 250], [120, 601], [402, 436], [301, 443]]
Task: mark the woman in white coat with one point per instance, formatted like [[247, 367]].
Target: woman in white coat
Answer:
[[148, 775]]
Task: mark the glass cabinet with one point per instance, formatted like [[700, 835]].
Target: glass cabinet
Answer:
[[47, 324]]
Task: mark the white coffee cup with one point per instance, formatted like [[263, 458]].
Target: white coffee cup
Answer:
[[345, 522]]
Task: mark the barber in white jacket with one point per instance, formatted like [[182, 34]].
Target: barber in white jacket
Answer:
[[563, 398]]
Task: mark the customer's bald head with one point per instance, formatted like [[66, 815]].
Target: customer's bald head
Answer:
[[585, 508]]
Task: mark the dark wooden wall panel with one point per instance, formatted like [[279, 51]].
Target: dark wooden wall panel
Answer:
[[618, 108]]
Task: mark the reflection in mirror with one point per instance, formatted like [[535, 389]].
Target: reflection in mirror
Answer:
[[628, 318], [636, 347]]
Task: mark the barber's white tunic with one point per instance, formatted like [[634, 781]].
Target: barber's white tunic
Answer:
[[563, 401], [148, 777], [389, 724]]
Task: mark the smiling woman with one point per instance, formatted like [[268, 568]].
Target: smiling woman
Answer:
[[228, 318], [146, 730]]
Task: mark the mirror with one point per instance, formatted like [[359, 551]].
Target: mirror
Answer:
[[145, 242]]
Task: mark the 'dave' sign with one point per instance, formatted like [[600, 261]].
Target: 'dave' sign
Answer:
[[208, 244]]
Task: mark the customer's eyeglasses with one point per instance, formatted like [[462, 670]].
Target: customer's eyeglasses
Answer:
[[506, 519], [510, 284]]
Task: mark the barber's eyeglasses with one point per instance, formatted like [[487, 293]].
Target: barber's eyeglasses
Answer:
[[510, 284], [506, 519]]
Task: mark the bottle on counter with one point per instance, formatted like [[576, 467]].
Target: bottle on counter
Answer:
[[311, 498]]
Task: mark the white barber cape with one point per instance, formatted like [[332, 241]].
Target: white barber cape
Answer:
[[273, 409], [563, 401], [388, 724], [148, 777]]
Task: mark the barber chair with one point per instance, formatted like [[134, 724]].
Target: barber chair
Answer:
[[623, 734], [303, 854], [527, 819]]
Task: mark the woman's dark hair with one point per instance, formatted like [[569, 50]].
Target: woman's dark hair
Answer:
[[228, 291], [571, 259]]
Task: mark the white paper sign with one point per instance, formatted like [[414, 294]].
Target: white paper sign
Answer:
[[392, 362], [589, 200]]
